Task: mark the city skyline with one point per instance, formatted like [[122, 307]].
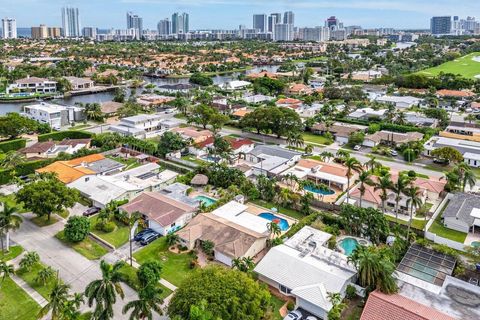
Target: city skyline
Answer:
[[230, 13]]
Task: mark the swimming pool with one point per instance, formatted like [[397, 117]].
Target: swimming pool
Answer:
[[327, 192], [348, 245], [205, 200], [282, 223]]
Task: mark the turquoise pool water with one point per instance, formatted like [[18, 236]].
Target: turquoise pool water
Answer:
[[206, 200], [282, 223], [319, 191], [348, 245]]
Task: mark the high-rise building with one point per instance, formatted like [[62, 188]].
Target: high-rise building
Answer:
[[441, 25], [273, 19], [135, 22], [40, 32], [332, 22], [70, 22], [318, 34], [180, 23], [260, 22], [283, 32], [54, 32], [164, 27], [9, 28], [289, 18], [90, 32]]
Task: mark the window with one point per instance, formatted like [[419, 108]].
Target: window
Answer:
[[285, 289], [173, 225]]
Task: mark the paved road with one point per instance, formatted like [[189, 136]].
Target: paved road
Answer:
[[74, 268]]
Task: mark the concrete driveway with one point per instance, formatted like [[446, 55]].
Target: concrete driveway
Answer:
[[74, 269]]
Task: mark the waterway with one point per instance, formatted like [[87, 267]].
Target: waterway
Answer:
[[108, 96]]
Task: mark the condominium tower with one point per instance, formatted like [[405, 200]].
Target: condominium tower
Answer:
[[9, 28], [135, 22], [71, 22], [180, 23]]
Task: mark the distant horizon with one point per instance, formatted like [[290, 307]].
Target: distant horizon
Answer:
[[229, 14]]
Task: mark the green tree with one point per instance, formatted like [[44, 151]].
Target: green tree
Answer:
[[46, 196], [149, 273], [105, 290], [57, 299], [6, 270], [149, 300], [274, 229], [201, 115], [364, 180], [398, 188], [352, 165], [9, 220], [77, 228], [44, 275], [170, 142], [414, 200], [94, 111], [228, 294], [11, 160], [30, 259], [448, 153], [356, 138], [295, 139], [119, 95], [244, 264], [13, 125], [384, 184], [200, 79], [181, 104]]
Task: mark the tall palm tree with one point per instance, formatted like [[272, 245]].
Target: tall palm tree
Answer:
[[466, 175], [352, 165], [149, 300], [104, 291], [364, 180], [274, 229], [326, 156], [295, 139], [414, 200], [44, 275], [132, 221], [9, 221], [308, 149], [372, 164], [12, 159], [71, 308], [5, 271], [398, 188], [384, 184], [57, 299]]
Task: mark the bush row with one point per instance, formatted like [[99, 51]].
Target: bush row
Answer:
[[68, 134], [12, 145]]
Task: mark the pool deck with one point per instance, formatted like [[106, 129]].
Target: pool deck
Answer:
[[361, 241], [256, 210]]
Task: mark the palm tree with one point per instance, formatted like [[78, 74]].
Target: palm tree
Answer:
[[57, 298], [284, 197], [104, 291], [9, 221], [372, 164], [384, 184], [132, 220], [44, 275], [11, 160], [326, 156], [414, 200], [295, 139], [470, 118], [71, 307], [244, 264], [465, 175], [172, 239], [29, 260], [149, 300], [364, 180], [5, 271], [274, 229], [352, 165], [308, 149], [398, 188]]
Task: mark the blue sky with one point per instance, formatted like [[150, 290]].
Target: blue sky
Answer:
[[230, 13]]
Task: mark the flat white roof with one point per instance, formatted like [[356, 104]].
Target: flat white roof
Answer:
[[236, 212], [47, 107]]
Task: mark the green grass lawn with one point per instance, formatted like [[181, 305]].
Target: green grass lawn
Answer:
[[117, 238], [440, 230], [15, 303], [87, 248], [14, 252], [465, 66], [175, 267], [315, 138], [130, 163], [43, 221], [276, 303], [29, 277], [286, 211], [416, 224], [193, 159], [129, 274], [79, 127]]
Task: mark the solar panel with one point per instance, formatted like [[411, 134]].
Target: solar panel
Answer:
[[147, 175]]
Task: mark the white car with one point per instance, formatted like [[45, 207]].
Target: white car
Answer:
[[294, 315], [393, 153], [311, 318], [357, 147]]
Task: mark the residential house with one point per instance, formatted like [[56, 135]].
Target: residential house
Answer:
[[153, 100], [102, 189], [194, 134], [464, 131], [144, 125], [235, 85], [364, 76], [469, 149], [367, 113], [110, 108], [305, 269], [161, 213], [54, 115], [458, 94], [235, 232], [419, 120], [51, 149], [462, 212], [177, 88], [299, 89], [240, 113], [290, 103], [33, 85], [238, 145], [271, 160], [80, 83], [258, 98], [400, 102], [331, 174], [391, 138], [341, 131]]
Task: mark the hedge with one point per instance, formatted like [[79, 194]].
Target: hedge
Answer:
[[67, 134], [12, 145], [389, 126]]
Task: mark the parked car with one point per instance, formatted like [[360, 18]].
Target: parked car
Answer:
[[311, 318], [294, 315], [393, 153], [357, 147], [91, 211], [142, 234], [441, 161], [149, 238]]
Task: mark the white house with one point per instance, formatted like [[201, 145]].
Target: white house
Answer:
[[80, 83], [400, 102], [305, 269], [53, 114], [469, 149], [33, 85], [144, 125], [271, 160], [235, 85], [366, 113]]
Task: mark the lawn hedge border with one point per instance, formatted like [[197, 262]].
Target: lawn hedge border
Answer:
[[67, 134], [10, 145]]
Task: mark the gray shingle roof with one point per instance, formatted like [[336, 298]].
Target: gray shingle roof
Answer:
[[461, 205], [274, 151]]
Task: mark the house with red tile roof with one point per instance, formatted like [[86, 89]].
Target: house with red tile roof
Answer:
[[299, 89], [381, 306], [459, 94], [238, 145]]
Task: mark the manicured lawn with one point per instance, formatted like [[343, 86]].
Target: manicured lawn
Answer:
[[315, 138], [14, 252], [416, 224], [79, 127], [130, 163], [130, 278], [15, 303], [439, 229], [465, 66], [12, 202], [176, 267], [276, 305], [194, 159], [87, 248], [286, 211], [117, 237], [29, 277], [43, 221]]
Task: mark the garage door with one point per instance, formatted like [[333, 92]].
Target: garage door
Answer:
[[223, 258]]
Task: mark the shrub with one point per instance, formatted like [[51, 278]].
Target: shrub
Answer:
[[68, 134], [149, 273], [12, 145], [351, 292], [109, 227], [77, 228], [290, 305], [332, 242]]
